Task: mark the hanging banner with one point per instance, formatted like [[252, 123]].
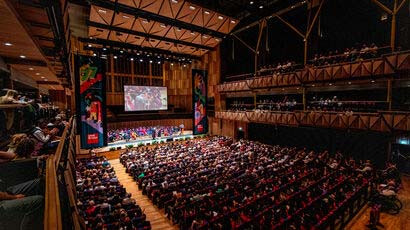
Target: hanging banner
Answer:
[[90, 92], [199, 99]]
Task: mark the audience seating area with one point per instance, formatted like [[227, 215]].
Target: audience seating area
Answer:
[[214, 183], [103, 202]]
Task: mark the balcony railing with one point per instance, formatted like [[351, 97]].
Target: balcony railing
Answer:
[[381, 121], [386, 65]]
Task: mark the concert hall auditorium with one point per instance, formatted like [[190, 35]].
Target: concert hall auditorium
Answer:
[[204, 114]]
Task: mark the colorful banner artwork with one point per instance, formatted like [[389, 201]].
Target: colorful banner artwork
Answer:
[[90, 88], [199, 98]]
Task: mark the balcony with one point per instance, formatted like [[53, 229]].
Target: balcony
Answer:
[[382, 67], [380, 122]]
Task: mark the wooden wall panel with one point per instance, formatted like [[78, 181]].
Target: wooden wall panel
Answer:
[[164, 122], [59, 98]]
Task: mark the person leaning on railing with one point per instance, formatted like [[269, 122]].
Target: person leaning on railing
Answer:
[[21, 205]]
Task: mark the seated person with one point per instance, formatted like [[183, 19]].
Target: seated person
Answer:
[[43, 137], [22, 206], [23, 150]]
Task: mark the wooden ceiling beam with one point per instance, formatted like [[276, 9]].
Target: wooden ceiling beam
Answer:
[[48, 83], [115, 44], [155, 17], [20, 61], [144, 35]]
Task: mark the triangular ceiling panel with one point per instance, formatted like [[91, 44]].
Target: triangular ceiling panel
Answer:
[[101, 15], [152, 6], [132, 3], [123, 20]]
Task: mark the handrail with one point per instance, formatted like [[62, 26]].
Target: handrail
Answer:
[[52, 211], [60, 146]]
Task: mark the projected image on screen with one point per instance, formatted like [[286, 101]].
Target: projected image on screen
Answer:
[[140, 98]]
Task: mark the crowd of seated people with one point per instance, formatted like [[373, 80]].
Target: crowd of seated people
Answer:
[[216, 183], [335, 105], [275, 69], [270, 105], [102, 201], [128, 134], [26, 140], [240, 106], [349, 55]]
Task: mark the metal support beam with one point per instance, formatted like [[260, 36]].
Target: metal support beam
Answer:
[[244, 43], [283, 11], [262, 25], [144, 35], [389, 93], [290, 26], [383, 7], [155, 17], [309, 30], [304, 98]]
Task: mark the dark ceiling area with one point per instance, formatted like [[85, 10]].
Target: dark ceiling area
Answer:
[[340, 24]]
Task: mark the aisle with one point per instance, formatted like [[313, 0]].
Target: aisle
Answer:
[[390, 222], [154, 215]]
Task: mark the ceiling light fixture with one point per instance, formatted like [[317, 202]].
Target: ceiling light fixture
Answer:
[[94, 54], [251, 2], [141, 60], [115, 57], [260, 7], [22, 56], [159, 62], [349, 83], [220, 17], [172, 63], [163, 25], [31, 68], [204, 36], [192, 7], [37, 74], [206, 12], [178, 29], [145, 21], [150, 61], [42, 77], [132, 59], [102, 11], [104, 49], [89, 45], [174, 1], [184, 65], [233, 22], [8, 44], [45, 79], [192, 33], [125, 16]]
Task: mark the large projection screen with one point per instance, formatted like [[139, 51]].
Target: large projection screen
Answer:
[[143, 98]]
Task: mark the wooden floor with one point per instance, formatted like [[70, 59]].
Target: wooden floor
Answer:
[[390, 222], [154, 215]]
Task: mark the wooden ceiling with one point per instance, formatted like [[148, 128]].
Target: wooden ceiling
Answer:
[[25, 24], [181, 26], [12, 31]]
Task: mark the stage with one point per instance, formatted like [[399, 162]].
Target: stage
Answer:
[[145, 140]]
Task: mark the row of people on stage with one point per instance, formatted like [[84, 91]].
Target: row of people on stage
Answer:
[[128, 134]]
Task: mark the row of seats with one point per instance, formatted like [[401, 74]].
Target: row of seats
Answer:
[[217, 184]]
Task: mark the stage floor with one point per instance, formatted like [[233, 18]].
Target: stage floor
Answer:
[[122, 144]]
